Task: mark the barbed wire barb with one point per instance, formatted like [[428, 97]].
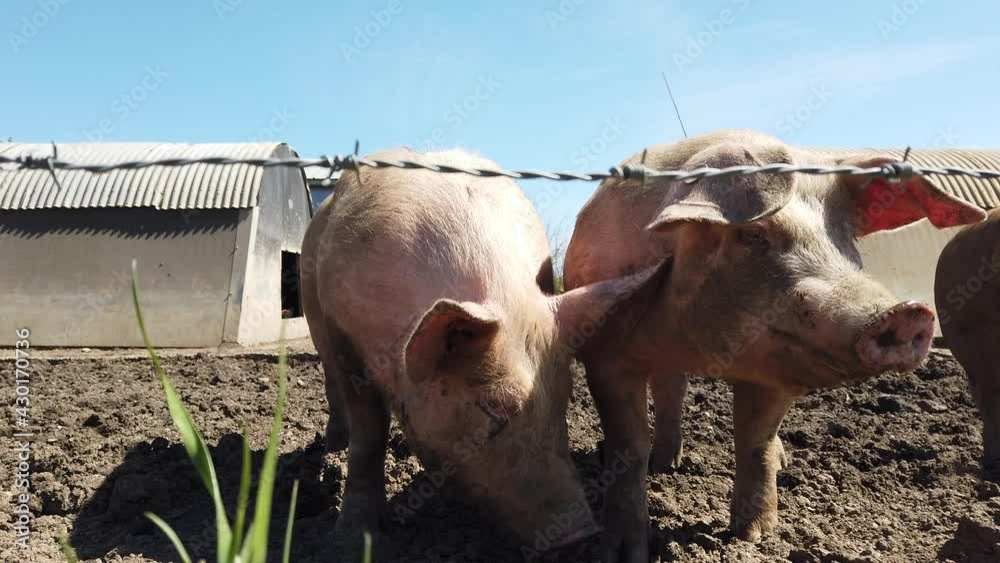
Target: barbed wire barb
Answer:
[[354, 159], [52, 169]]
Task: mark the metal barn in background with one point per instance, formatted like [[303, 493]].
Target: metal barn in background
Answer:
[[217, 247], [320, 182], [905, 259]]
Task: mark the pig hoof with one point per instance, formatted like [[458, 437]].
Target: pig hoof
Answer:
[[336, 442], [621, 552], [665, 460], [754, 529], [336, 438], [357, 515], [623, 542]]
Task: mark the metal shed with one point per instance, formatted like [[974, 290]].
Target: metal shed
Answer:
[[320, 182], [217, 247], [905, 259]]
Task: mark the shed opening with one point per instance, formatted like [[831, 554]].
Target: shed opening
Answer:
[[291, 299]]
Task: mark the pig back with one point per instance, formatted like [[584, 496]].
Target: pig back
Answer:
[[610, 238], [396, 241]]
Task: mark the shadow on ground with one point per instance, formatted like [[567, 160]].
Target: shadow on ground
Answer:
[[425, 522]]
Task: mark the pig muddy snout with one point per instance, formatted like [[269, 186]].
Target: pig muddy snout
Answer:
[[898, 340]]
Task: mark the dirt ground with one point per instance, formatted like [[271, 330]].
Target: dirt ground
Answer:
[[885, 471]]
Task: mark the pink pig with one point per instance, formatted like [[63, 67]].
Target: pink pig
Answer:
[[760, 284], [430, 296]]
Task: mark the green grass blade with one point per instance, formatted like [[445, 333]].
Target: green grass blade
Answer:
[[243, 500], [245, 551], [171, 535], [291, 522], [265, 488], [67, 550], [368, 548], [193, 442]]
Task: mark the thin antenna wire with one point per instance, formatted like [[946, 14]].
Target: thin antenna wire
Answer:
[[676, 111]]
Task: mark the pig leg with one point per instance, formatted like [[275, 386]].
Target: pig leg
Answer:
[[364, 493], [621, 403], [368, 418], [984, 382], [329, 343], [668, 398], [336, 426], [757, 414]]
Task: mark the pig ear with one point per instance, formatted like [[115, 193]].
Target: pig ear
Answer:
[[581, 312], [883, 205], [732, 200], [449, 333]]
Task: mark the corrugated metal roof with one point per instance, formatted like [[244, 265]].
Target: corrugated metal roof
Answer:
[[984, 193], [200, 186]]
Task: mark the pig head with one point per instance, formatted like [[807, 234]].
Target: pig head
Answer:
[[761, 285], [766, 270], [483, 396]]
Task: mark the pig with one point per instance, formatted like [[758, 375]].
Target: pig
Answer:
[[967, 297], [758, 282], [430, 296]]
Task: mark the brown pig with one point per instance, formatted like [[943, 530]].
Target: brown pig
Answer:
[[760, 284], [967, 296], [431, 296]]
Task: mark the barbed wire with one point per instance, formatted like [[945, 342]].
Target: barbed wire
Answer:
[[892, 170]]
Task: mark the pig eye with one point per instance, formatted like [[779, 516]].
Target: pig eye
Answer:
[[754, 236]]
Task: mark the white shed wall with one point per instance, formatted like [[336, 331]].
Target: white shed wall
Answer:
[[905, 259], [68, 275], [279, 223]]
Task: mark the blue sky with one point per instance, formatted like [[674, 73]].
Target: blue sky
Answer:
[[570, 84]]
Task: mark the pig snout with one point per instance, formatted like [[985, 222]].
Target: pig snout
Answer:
[[547, 509], [898, 340]]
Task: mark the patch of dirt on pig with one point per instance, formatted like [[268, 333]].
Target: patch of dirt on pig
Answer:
[[885, 471]]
